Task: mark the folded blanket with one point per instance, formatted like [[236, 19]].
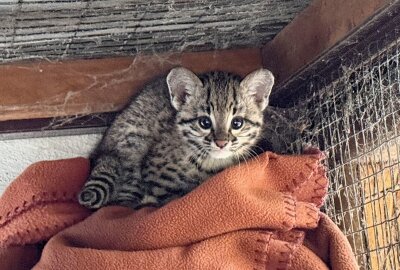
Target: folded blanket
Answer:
[[260, 215]]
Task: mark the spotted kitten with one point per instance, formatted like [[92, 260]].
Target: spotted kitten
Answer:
[[175, 134]]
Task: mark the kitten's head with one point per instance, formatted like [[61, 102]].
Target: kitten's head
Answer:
[[218, 113]]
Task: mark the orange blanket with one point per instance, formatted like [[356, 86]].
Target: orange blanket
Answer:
[[259, 215]]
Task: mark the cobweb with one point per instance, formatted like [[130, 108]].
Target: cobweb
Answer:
[[53, 31], [65, 29]]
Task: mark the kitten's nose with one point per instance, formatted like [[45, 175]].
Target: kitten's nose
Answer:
[[221, 143]]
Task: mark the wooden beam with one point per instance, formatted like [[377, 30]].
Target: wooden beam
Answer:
[[47, 89], [322, 25]]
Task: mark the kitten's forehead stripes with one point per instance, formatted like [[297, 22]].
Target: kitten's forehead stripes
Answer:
[[212, 106], [208, 94], [234, 94], [205, 108]]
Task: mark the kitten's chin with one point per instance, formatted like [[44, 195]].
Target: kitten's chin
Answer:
[[218, 160], [221, 154]]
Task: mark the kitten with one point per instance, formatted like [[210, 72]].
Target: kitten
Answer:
[[176, 133]]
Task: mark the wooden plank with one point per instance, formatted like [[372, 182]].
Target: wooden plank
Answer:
[[382, 197], [47, 89], [323, 24], [97, 29]]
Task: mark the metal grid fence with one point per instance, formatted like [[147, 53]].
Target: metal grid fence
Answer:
[[356, 120]]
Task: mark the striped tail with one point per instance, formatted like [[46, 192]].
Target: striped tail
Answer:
[[97, 191]]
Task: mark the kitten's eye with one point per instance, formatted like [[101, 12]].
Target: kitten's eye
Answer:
[[205, 122], [237, 122]]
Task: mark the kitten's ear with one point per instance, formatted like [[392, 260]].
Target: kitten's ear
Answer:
[[181, 84], [259, 84]]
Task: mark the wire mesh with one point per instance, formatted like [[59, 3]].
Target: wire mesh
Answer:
[[356, 120]]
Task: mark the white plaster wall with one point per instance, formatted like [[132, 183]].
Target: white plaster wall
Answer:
[[16, 155]]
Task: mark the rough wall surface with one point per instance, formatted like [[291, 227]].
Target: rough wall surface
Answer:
[[64, 29]]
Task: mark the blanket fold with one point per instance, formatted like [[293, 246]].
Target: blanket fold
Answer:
[[260, 215]]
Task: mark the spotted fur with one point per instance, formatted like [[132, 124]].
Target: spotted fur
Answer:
[[156, 149]]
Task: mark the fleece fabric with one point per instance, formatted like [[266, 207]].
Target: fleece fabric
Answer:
[[262, 214]]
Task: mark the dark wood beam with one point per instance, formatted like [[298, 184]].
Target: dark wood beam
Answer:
[[44, 89]]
